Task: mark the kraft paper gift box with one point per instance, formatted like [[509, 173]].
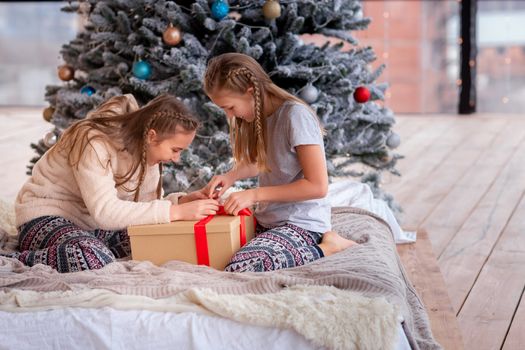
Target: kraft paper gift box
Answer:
[[211, 241]]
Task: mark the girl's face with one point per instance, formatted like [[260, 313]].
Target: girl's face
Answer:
[[235, 104], [168, 149]]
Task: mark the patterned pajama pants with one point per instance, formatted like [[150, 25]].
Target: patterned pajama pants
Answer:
[[277, 248], [57, 242]]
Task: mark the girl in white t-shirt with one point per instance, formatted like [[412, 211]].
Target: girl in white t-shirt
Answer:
[[278, 138]]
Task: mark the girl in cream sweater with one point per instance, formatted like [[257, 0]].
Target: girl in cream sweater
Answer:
[[103, 175]]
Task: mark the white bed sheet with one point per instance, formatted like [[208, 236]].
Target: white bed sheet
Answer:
[[359, 195], [108, 328], [350, 192]]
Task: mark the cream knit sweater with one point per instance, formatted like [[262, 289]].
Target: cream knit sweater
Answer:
[[88, 195]]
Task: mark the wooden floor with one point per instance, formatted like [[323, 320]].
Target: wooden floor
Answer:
[[463, 182], [18, 128]]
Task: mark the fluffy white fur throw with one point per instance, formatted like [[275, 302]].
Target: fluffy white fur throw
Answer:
[[7, 217], [8, 232], [325, 315]]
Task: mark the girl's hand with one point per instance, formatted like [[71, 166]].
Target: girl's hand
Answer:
[[193, 196], [240, 200], [195, 210], [218, 185]]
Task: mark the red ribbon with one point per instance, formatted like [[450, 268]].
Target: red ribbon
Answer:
[[201, 240]]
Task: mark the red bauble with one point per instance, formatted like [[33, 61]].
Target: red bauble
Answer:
[[361, 94]]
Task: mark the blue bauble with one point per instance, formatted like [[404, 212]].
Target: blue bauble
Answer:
[[142, 69], [88, 90], [219, 9]]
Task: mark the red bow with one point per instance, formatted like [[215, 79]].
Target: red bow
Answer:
[[242, 212], [201, 240]]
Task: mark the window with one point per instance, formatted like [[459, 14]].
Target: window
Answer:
[[501, 56], [32, 35], [418, 43]]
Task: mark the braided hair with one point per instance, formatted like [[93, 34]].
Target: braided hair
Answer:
[[161, 121], [239, 77], [235, 72]]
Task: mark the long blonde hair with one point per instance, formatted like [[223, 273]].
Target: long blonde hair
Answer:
[[119, 121], [237, 73]]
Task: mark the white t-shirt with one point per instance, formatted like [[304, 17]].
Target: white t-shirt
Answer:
[[293, 124]]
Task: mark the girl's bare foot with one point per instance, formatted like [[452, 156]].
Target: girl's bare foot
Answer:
[[333, 243]]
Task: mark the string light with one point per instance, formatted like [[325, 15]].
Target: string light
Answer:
[[386, 41], [506, 99], [507, 69]]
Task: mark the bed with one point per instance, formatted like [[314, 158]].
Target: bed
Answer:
[[357, 299]]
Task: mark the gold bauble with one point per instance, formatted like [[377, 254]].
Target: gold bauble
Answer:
[[172, 35], [386, 157], [48, 113], [66, 73], [271, 9]]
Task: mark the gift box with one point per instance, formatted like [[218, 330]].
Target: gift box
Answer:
[[211, 241]]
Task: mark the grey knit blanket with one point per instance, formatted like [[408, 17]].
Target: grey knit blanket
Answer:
[[372, 268]]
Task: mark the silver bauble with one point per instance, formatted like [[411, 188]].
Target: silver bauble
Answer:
[[309, 94], [81, 75], [122, 68], [393, 140], [50, 139]]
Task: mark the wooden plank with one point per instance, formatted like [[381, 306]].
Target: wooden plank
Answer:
[[417, 143], [428, 153], [423, 271], [442, 171], [20, 127], [464, 256], [415, 136], [472, 186], [487, 313], [17, 121], [400, 121], [516, 337], [410, 127], [419, 155]]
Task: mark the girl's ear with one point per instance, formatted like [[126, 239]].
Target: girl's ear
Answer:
[[151, 136], [250, 90]]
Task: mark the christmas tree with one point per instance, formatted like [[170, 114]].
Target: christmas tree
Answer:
[[149, 47]]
